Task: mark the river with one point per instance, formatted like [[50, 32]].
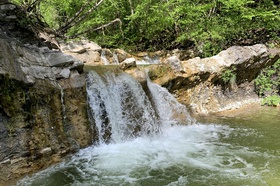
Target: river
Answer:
[[157, 148]]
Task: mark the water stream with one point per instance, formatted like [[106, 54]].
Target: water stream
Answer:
[[63, 111], [146, 138], [103, 58]]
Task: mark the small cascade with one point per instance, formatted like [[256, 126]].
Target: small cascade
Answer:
[[140, 142], [63, 111], [103, 58], [170, 111], [148, 61], [121, 109], [115, 59]]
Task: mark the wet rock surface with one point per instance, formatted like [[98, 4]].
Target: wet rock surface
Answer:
[[43, 109]]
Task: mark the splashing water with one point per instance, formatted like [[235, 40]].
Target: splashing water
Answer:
[[141, 143], [103, 58], [170, 111], [120, 107], [181, 155]]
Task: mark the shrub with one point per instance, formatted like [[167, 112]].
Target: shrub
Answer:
[[268, 82], [229, 75], [271, 100]]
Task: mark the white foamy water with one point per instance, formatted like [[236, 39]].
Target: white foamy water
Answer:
[[121, 109], [170, 111], [180, 155], [148, 61], [103, 58], [152, 141]]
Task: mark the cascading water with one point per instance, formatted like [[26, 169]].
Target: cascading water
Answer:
[[170, 111], [148, 61], [63, 111], [120, 107], [115, 59], [142, 142], [103, 58]]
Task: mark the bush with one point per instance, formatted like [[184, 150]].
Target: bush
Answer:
[[268, 82], [229, 76], [271, 100]]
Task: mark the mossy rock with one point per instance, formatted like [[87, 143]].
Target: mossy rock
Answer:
[[12, 95], [159, 71]]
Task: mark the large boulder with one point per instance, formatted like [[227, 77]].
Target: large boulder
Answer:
[[121, 55], [86, 51], [27, 63], [175, 63], [128, 63], [221, 82]]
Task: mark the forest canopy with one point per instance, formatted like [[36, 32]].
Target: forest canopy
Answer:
[[208, 26]]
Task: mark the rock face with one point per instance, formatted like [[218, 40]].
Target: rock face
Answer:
[[86, 51], [92, 54], [128, 63], [218, 83], [43, 109]]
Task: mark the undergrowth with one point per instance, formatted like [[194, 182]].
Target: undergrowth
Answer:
[[267, 84]]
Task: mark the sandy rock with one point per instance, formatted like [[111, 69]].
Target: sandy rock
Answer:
[[175, 63], [199, 84], [121, 55], [45, 151], [128, 63]]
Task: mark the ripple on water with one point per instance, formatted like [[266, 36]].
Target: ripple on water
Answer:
[[201, 154]]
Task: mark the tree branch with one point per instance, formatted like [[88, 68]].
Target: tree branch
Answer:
[[69, 21], [131, 7], [75, 21], [99, 28]]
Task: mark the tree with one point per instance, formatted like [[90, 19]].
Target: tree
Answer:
[[210, 26]]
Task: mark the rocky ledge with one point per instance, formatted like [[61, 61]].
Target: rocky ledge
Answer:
[[205, 85], [43, 109], [218, 83]]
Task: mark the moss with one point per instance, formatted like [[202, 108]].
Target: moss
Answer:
[[12, 95], [159, 71]]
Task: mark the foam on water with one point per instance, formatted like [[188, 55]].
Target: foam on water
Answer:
[[142, 142], [121, 109], [148, 61], [180, 155]]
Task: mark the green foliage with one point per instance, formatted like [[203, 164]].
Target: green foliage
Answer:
[[273, 100], [229, 75], [268, 82], [156, 24]]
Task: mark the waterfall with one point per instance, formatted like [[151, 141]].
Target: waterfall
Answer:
[[140, 142], [115, 59], [63, 111], [103, 58], [170, 111], [121, 109], [148, 61]]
